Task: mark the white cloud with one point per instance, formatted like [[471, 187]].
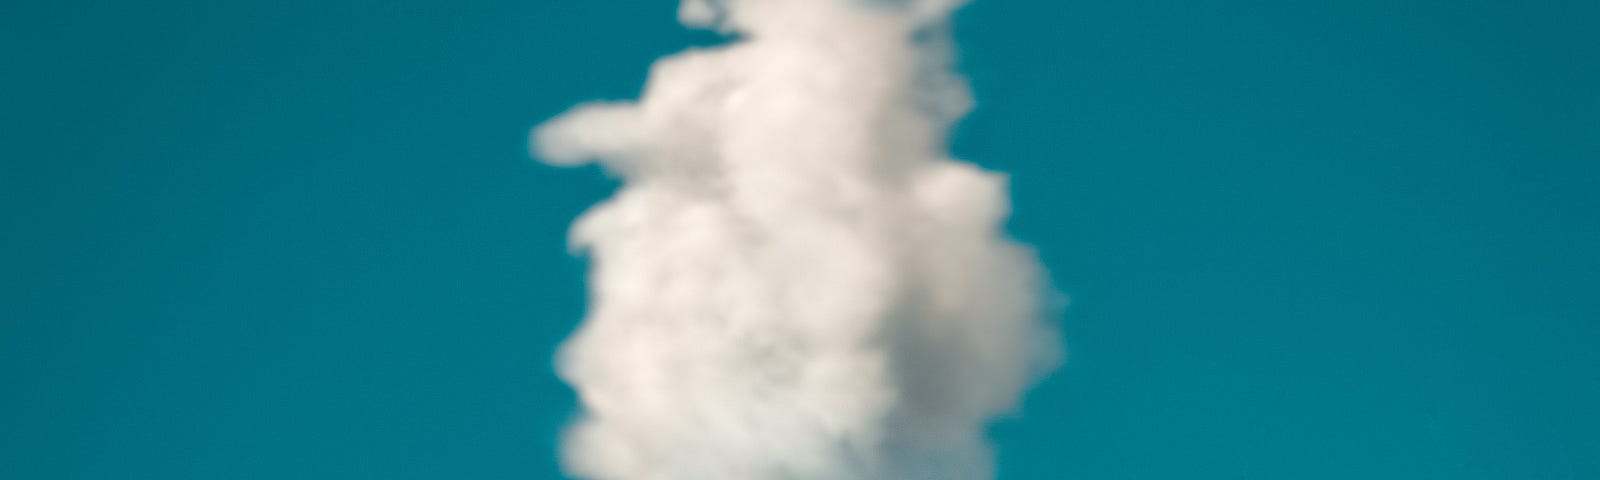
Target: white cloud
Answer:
[[794, 281]]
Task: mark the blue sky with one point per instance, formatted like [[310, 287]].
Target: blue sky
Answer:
[[1352, 239]]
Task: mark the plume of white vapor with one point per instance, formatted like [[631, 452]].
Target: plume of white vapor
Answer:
[[794, 281]]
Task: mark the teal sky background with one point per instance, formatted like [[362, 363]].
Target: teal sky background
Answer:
[[1308, 240]]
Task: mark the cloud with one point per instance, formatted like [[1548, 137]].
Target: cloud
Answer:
[[795, 281]]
